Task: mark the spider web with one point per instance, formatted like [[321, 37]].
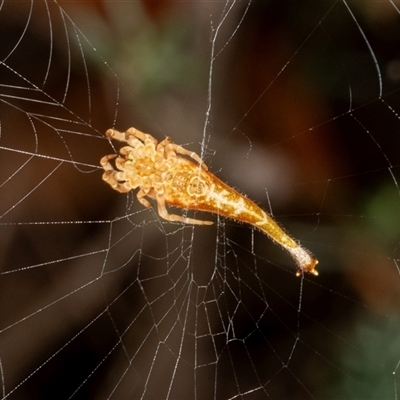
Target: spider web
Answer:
[[296, 105]]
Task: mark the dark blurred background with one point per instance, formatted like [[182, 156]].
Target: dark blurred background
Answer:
[[100, 298]]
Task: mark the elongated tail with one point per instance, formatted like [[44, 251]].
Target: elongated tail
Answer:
[[303, 258], [232, 204], [194, 188]]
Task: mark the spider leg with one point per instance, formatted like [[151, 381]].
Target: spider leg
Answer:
[[141, 197], [130, 135], [110, 175], [162, 211], [117, 135], [171, 149], [164, 143], [144, 137], [181, 150], [122, 187], [104, 162]]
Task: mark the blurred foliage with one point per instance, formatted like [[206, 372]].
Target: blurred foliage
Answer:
[[370, 368], [385, 220]]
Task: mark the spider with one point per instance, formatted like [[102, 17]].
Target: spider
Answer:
[[161, 173]]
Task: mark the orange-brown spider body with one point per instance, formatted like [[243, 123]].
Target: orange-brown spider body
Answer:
[[161, 174]]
